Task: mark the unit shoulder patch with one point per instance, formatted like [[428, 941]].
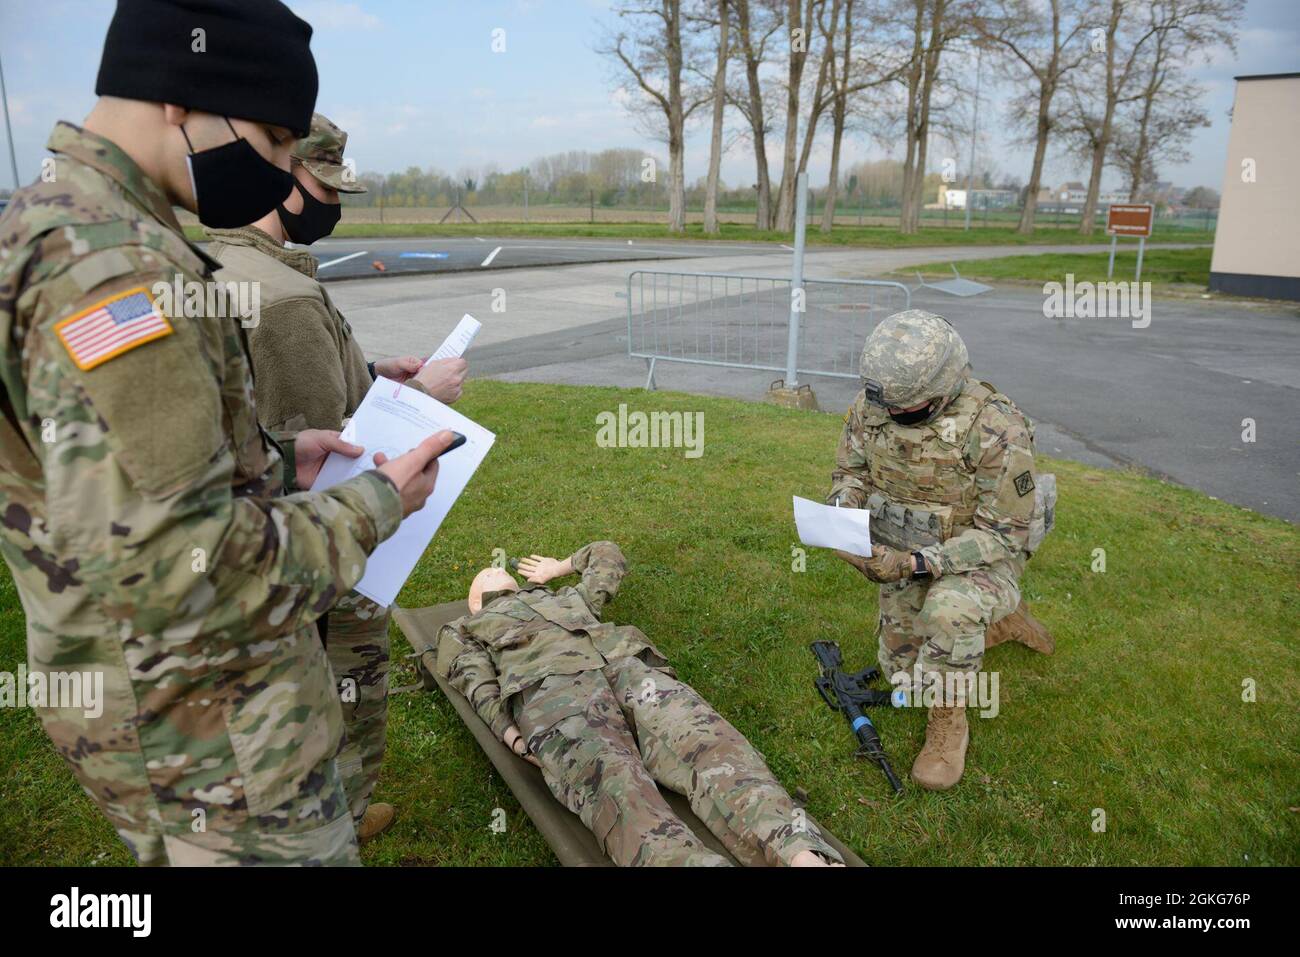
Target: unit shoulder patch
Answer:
[[1024, 483], [111, 327]]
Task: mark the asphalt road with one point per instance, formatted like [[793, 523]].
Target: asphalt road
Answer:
[[1170, 399], [356, 258]]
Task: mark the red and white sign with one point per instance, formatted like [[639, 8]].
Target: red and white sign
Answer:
[[1129, 219]]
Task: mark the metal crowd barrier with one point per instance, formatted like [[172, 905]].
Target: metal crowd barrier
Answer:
[[743, 322]]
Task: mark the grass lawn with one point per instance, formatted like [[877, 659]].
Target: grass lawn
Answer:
[[1139, 713], [1168, 270], [869, 236]]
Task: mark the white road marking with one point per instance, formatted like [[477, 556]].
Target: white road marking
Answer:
[[342, 259], [784, 246], [491, 256]]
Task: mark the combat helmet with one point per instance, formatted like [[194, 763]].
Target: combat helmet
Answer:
[[912, 357]]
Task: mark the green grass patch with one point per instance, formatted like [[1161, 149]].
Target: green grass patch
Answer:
[[867, 236], [1139, 713], [1166, 269]]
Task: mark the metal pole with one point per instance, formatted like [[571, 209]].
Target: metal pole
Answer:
[[796, 280], [525, 195], [975, 125], [1110, 267], [13, 160], [1142, 244]]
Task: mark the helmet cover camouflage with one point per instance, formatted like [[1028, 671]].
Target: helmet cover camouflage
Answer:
[[321, 151], [912, 357]]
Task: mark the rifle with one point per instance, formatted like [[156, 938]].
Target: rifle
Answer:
[[848, 693]]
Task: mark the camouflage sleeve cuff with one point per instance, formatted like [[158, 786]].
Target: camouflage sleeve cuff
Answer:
[[289, 462], [379, 500], [933, 555]]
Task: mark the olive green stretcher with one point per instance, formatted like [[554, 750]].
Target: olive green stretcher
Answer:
[[569, 838]]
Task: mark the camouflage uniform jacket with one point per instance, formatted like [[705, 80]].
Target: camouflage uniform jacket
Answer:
[[141, 515], [310, 371], [519, 638], [971, 468]]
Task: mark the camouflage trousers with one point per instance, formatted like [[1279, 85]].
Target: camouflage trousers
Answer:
[[195, 766], [605, 737], [940, 625], [358, 650]]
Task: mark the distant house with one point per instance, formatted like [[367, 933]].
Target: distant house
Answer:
[[1257, 242], [979, 198], [1072, 197]]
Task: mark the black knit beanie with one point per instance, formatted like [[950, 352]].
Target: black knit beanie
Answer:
[[251, 60]]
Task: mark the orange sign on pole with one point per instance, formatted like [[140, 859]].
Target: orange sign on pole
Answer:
[[1130, 219]]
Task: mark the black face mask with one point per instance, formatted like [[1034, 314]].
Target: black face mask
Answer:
[[233, 184], [912, 418], [316, 220]]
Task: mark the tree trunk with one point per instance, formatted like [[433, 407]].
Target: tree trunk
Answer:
[[1101, 144], [676, 120], [1040, 154], [839, 111], [763, 212], [715, 142], [794, 77]]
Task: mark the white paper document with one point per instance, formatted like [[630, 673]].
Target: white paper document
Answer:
[[826, 526], [394, 419], [455, 344]]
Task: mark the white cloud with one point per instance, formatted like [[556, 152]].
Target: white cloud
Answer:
[[335, 15]]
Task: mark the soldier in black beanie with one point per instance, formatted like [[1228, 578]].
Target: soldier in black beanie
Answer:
[[143, 519]]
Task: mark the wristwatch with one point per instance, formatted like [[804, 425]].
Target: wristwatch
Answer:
[[922, 569]]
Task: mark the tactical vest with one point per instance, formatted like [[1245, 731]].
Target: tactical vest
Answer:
[[923, 477]]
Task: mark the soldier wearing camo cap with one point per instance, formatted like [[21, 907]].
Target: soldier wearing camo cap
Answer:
[[311, 374], [945, 464], [597, 708], [142, 511]]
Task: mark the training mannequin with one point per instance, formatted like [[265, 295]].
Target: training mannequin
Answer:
[[597, 708]]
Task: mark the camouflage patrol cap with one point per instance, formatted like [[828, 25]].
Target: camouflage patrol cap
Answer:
[[321, 151], [912, 357]]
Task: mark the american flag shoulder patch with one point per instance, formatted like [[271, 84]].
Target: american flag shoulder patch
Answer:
[[111, 327]]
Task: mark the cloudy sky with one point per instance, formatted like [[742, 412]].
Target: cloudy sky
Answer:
[[416, 83]]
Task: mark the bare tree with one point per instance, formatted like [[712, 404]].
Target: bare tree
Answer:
[[800, 19], [1108, 83], [852, 72], [1039, 40], [1166, 107], [653, 54], [757, 21], [930, 31], [716, 14]]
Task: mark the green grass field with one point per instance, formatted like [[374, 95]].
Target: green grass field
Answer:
[[886, 236], [1168, 270], [1139, 713]]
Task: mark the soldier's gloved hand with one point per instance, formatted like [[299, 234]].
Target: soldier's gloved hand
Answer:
[[310, 449], [516, 743], [539, 569], [398, 368], [887, 564]]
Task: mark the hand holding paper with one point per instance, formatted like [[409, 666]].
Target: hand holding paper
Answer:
[[391, 420], [825, 526]]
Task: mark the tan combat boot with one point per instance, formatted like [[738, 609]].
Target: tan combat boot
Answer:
[[377, 819], [1022, 627], [943, 759]]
